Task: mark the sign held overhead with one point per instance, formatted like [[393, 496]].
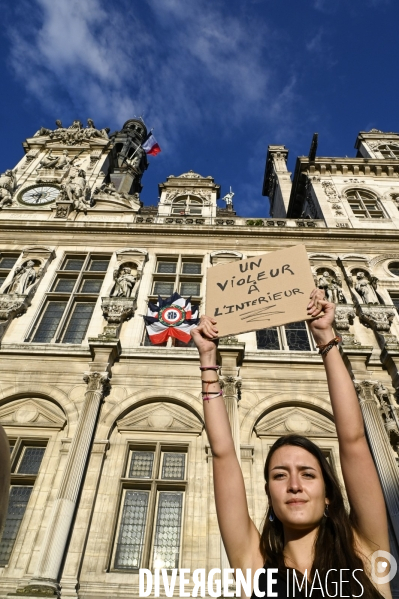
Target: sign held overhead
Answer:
[[260, 292]]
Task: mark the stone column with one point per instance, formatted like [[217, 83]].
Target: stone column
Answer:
[[381, 449], [230, 381], [45, 579]]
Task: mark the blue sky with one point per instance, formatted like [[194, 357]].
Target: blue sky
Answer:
[[218, 80]]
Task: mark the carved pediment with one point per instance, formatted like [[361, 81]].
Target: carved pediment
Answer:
[[298, 420], [33, 413], [161, 416]]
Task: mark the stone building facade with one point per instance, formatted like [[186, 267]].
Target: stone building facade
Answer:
[[111, 467]]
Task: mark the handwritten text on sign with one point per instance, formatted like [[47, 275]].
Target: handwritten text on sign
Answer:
[[260, 292]]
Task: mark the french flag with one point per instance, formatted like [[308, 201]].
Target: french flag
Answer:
[[151, 146]]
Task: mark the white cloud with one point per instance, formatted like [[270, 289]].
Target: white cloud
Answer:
[[177, 62]]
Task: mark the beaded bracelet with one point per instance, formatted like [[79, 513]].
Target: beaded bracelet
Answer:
[[207, 398], [209, 367]]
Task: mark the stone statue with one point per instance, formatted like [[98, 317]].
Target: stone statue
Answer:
[[76, 191], [331, 288], [91, 131], [7, 187], [63, 161], [49, 161], [228, 198], [24, 277], [365, 290], [124, 283]]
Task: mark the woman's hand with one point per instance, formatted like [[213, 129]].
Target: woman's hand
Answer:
[[205, 337], [324, 315]]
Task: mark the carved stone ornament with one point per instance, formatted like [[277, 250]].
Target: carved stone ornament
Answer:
[[388, 412], [190, 175], [12, 306], [74, 134], [378, 318], [96, 381], [117, 309], [38, 589], [8, 186], [231, 385], [201, 193], [228, 340], [344, 317], [330, 191]]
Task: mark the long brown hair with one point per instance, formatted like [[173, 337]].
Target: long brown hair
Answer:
[[335, 542]]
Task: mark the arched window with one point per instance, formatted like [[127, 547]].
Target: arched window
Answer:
[[389, 151], [364, 204], [187, 205], [394, 268]]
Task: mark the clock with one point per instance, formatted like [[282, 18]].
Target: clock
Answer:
[[39, 195]]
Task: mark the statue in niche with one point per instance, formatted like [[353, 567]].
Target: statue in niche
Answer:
[[7, 187], [365, 289], [24, 277], [331, 288], [124, 283], [76, 191]]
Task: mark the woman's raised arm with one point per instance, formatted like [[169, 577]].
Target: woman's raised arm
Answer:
[[239, 534], [360, 475]]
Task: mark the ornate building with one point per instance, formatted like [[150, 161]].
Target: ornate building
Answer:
[[111, 467]]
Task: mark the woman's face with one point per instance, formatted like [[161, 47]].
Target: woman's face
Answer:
[[296, 488]]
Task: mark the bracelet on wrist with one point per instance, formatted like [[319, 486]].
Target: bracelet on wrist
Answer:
[[325, 348], [202, 368]]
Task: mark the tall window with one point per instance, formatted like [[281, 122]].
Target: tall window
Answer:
[[294, 337], [187, 205], [389, 151], [364, 204], [7, 262], [151, 514], [177, 273], [26, 458], [71, 300]]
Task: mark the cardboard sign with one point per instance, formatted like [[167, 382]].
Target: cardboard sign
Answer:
[[264, 291]]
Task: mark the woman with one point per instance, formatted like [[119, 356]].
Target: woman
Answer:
[[306, 528]]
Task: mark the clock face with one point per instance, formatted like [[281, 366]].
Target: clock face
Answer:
[[39, 195]]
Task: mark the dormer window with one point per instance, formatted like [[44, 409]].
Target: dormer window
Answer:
[[187, 205], [390, 151], [364, 204]]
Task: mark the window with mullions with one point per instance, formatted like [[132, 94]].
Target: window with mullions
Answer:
[[389, 151], [294, 337], [26, 458], [187, 205], [151, 514], [364, 204], [70, 303], [7, 262]]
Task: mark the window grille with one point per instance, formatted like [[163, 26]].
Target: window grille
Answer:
[[151, 514], [191, 268], [31, 460], [364, 204], [293, 336], [66, 315], [188, 289], [173, 466], [26, 458], [141, 464], [167, 532], [166, 267], [129, 549], [163, 288], [79, 322]]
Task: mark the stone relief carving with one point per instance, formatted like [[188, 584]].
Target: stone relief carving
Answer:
[[75, 189], [74, 134], [201, 193], [231, 385], [8, 186], [330, 191], [108, 190], [378, 318], [332, 287], [190, 175]]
